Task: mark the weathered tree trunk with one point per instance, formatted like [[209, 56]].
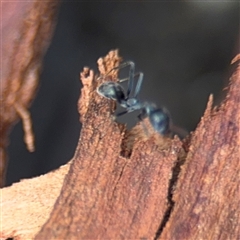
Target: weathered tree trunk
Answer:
[[125, 185]]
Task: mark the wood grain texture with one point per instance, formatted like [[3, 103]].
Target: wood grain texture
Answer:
[[207, 196], [124, 185], [106, 195]]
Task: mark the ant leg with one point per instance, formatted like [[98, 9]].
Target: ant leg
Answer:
[[123, 65], [121, 113], [123, 79], [131, 78], [139, 84], [127, 78], [131, 74]]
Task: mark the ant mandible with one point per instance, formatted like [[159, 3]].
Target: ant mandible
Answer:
[[158, 117]]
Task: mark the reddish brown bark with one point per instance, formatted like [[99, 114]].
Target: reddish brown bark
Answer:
[[26, 31], [110, 196], [207, 195], [124, 185], [106, 196]]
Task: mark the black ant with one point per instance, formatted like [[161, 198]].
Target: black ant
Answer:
[[158, 117]]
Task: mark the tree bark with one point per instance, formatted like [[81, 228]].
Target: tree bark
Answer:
[[26, 28], [126, 185]]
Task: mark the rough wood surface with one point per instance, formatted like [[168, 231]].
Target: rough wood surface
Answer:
[[26, 30], [207, 195], [106, 195], [26, 206], [124, 185]]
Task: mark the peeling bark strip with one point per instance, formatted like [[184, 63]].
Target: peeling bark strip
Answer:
[[26, 29], [105, 195], [207, 196]]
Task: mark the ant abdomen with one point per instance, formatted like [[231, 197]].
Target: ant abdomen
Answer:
[[160, 121]]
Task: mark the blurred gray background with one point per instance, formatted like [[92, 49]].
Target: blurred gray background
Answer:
[[183, 48]]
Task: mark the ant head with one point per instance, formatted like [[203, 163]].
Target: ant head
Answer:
[[111, 90]]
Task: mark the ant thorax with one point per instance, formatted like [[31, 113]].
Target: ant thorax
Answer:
[[133, 104]]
